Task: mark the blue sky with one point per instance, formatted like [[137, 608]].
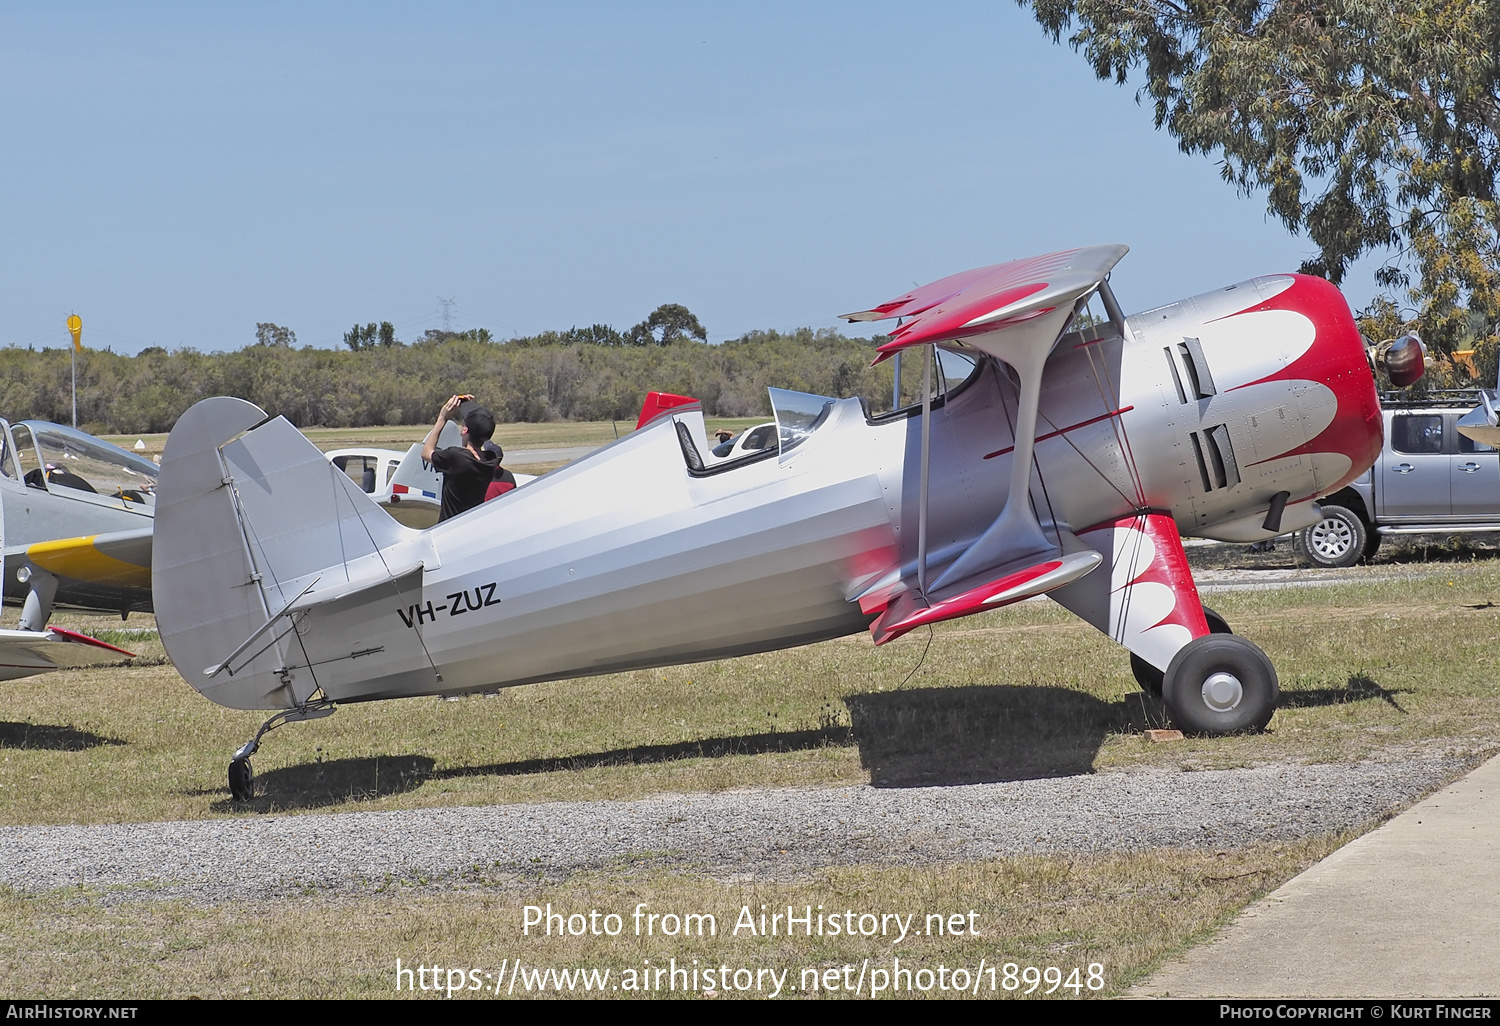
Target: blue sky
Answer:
[[176, 173]]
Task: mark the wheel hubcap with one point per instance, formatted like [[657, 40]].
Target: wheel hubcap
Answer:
[[1332, 538], [1222, 692]]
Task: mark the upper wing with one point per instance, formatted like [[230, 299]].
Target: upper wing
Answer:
[[993, 298], [121, 558]]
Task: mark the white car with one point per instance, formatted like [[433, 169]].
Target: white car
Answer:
[[756, 439]]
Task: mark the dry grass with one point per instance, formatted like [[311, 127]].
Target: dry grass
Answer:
[[1368, 670], [1376, 668], [1127, 913]]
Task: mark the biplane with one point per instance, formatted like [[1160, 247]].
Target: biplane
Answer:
[[75, 530], [1059, 448], [77, 522]]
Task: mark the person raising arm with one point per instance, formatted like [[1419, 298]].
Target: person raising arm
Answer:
[[467, 469]]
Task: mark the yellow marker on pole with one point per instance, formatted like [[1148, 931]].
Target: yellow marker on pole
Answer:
[[75, 328]]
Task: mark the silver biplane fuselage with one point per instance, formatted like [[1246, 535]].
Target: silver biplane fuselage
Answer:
[[280, 585]]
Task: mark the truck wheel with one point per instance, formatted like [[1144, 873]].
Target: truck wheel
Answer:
[[1338, 540]]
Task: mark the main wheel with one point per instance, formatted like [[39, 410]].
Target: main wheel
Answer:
[[1220, 684], [1149, 677], [241, 780], [1216, 623], [1338, 540]]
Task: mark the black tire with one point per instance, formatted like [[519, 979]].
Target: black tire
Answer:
[[1149, 677], [1146, 675], [241, 780], [1338, 540], [1220, 684]]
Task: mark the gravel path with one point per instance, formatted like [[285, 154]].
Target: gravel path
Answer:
[[773, 833]]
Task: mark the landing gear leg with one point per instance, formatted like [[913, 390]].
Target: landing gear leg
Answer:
[[241, 776], [1149, 677], [37, 609]]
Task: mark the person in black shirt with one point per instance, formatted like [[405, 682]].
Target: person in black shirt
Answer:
[[467, 469]]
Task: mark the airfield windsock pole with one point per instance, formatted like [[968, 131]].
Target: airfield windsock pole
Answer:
[[75, 328]]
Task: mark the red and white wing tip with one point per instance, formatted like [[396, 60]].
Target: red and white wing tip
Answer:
[[983, 299]]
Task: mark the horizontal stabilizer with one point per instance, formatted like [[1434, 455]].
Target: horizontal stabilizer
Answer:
[[337, 598], [909, 610]]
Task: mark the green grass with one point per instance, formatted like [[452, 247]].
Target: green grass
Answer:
[[1369, 669], [1393, 664], [550, 435]]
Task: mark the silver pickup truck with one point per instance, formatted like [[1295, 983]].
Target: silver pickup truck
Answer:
[[1428, 479]]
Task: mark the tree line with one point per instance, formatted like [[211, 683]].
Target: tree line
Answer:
[[1370, 128], [593, 373], [573, 375]]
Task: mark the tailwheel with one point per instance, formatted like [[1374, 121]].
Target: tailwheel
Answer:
[[1220, 684], [1149, 677], [241, 777], [241, 780]]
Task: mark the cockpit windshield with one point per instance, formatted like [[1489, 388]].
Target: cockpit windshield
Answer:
[[798, 415], [83, 464]]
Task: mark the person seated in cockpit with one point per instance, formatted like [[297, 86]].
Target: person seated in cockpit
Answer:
[[58, 476]]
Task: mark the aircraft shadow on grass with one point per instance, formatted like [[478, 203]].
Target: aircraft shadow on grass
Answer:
[[316, 785], [921, 737], [51, 737], [988, 734], [971, 735], [1359, 689], [707, 748]]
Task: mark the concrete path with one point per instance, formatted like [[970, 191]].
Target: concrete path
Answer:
[[1408, 910]]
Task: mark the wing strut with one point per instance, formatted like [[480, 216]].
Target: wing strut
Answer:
[[1016, 533], [927, 358]]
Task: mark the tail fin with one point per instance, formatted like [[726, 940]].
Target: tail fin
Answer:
[[251, 517], [658, 403], [415, 475]]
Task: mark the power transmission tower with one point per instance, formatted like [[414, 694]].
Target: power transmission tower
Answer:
[[447, 305]]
